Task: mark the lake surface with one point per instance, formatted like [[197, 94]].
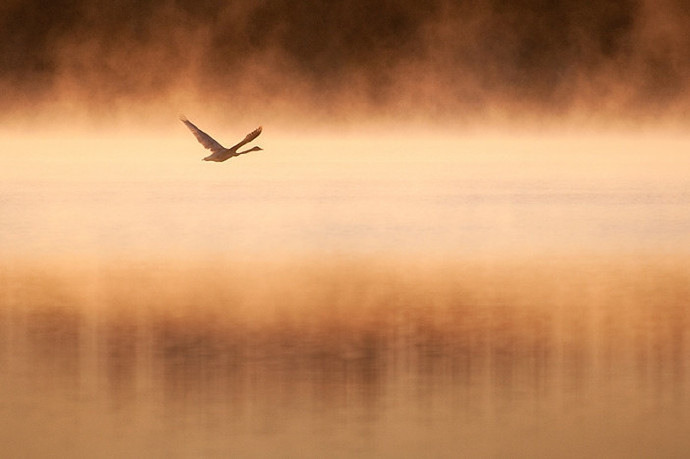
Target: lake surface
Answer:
[[445, 298]]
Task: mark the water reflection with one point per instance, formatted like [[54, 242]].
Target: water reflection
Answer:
[[350, 360]]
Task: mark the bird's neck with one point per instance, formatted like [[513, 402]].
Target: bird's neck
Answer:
[[247, 151]]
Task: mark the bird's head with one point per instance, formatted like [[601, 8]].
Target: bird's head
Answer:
[[255, 149]]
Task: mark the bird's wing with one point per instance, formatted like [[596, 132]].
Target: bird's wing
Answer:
[[203, 138], [248, 138]]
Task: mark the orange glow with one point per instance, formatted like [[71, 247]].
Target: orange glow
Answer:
[[418, 194], [467, 233]]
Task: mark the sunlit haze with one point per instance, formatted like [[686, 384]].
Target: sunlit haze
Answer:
[[466, 233]]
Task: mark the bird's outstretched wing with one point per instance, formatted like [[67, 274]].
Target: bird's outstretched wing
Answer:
[[203, 138], [248, 138]]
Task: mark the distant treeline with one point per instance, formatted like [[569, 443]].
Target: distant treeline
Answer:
[[621, 57]]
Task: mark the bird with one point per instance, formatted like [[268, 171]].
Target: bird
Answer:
[[218, 152]]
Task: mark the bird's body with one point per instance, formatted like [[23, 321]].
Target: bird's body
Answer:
[[218, 152]]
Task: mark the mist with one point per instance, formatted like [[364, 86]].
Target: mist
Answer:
[[453, 62]]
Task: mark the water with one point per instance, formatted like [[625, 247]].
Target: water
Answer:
[[364, 216], [501, 303], [347, 358]]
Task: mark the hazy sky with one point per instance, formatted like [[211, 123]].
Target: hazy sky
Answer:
[[435, 60]]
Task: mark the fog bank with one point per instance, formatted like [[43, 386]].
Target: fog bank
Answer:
[[467, 62]]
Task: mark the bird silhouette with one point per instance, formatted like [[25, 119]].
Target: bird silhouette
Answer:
[[218, 152]]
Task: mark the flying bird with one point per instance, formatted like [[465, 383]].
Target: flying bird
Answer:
[[218, 152]]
